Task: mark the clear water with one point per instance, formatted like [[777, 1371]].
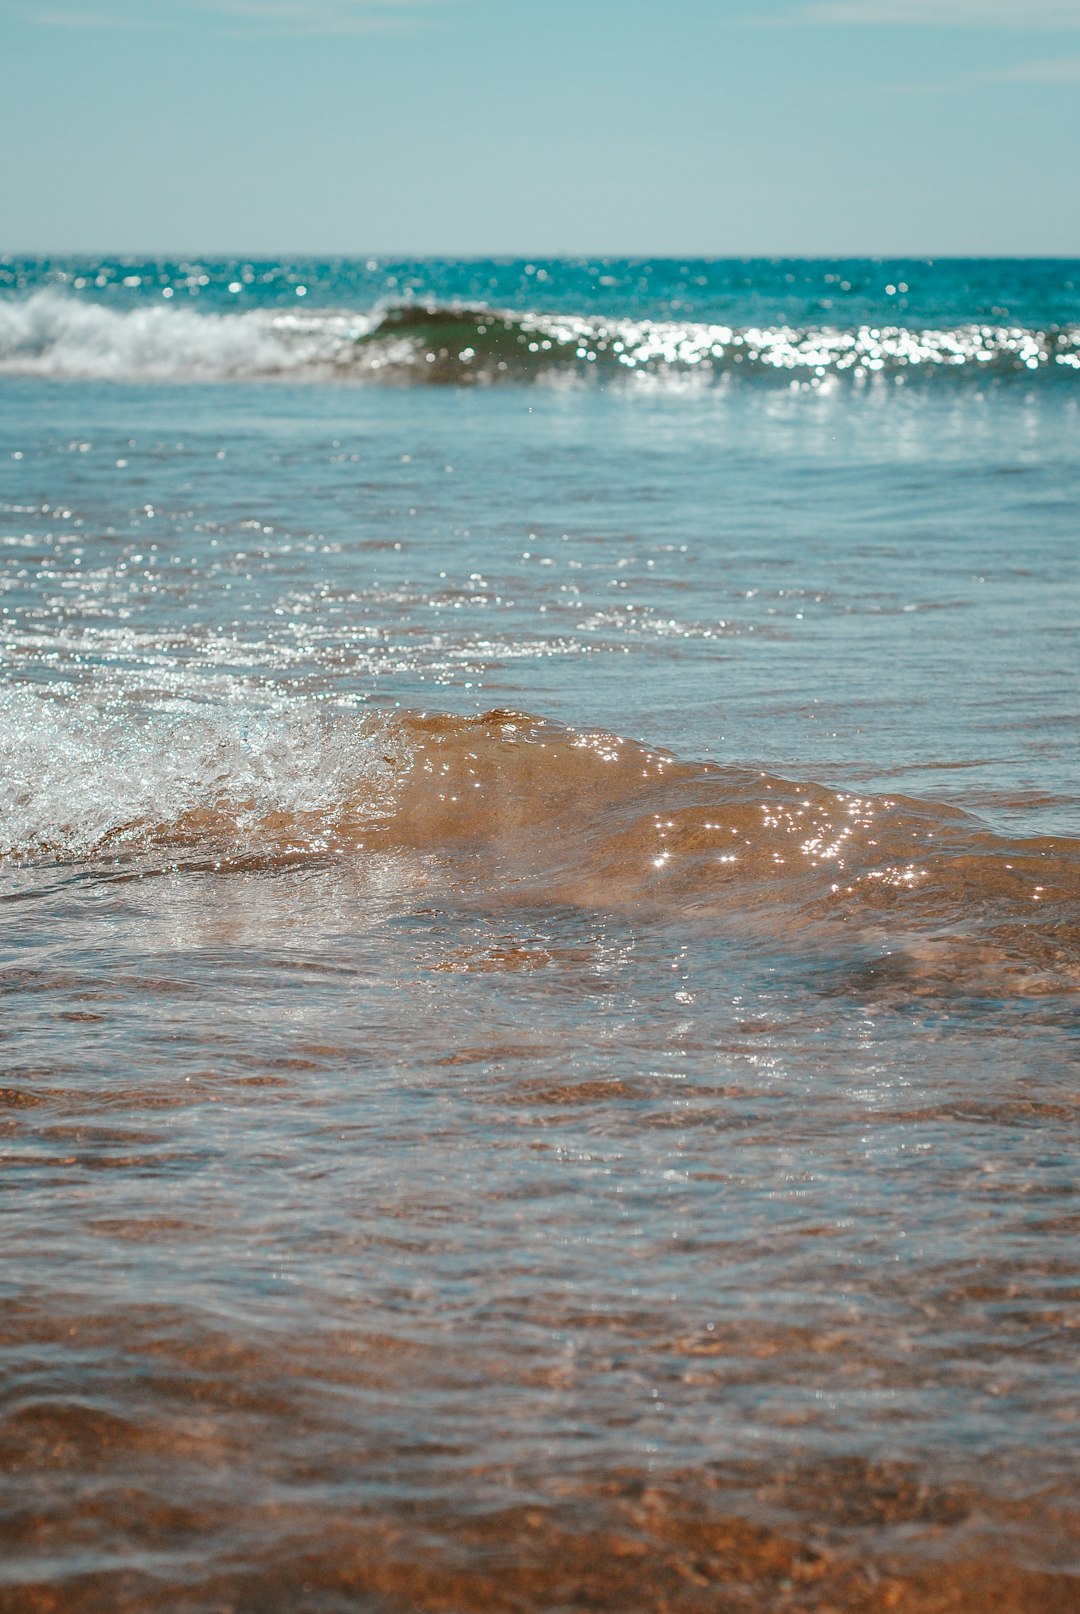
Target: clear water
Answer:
[[619, 1147]]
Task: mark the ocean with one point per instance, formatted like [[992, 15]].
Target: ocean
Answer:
[[540, 965]]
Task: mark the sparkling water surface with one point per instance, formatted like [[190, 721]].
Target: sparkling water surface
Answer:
[[423, 1152]]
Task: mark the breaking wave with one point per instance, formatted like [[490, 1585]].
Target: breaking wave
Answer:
[[511, 808], [51, 334]]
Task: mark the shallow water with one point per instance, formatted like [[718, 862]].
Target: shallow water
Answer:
[[539, 967]]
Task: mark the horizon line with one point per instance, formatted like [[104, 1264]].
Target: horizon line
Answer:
[[523, 256]]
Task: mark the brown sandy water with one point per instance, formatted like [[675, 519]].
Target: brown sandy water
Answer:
[[549, 1174]]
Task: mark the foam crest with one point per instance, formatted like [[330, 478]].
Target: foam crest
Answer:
[[77, 783], [50, 334]]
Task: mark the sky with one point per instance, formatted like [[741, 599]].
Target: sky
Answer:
[[475, 127]]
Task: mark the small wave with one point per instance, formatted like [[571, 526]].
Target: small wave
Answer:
[[54, 335], [523, 811]]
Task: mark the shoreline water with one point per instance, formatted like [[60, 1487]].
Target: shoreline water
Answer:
[[454, 1157]]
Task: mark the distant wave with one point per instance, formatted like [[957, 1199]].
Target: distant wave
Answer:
[[51, 334]]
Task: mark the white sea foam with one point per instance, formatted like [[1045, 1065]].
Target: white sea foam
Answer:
[[50, 334], [75, 780]]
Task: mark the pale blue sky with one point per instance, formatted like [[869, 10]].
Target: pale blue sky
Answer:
[[494, 126]]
